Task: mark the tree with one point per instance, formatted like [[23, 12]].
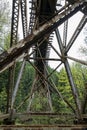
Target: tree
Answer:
[[4, 41], [4, 24]]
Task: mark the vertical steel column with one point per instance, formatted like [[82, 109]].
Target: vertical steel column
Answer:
[[13, 41], [77, 32], [24, 26], [65, 33], [69, 74], [17, 84], [10, 87], [24, 16], [65, 28], [74, 90], [14, 24]]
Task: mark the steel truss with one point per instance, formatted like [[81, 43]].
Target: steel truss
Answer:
[[39, 37]]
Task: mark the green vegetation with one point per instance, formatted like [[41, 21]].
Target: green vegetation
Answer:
[[61, 82], [4, 25]]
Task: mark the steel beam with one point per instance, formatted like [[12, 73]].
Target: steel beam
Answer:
[[53, 87], [44, 127], [24, 17], [13, 41], [7, 58], [74, 90], [15, 19], [77, 32], [65, 33], [77, 60], [17, 84], [69, 74]]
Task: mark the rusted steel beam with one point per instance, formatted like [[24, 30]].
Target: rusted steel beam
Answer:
[[54, 49], [13, 41], [24, 16], [65, 33], [77, 32], [45, 10], [69, 74], [7, 58], [15, 19], [77, 60], [74, 90], [72, 1], [49, 59], [45, 114], [17, 83], [84, 10], [44, 127]]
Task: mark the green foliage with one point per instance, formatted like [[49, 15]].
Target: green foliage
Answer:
[[4, 24], [3, 89], [7, 41], [79, 75], [40, 102], [65, 89], [3, 98], [54, 76]]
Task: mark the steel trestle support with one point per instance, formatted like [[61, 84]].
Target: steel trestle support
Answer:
[[44, 21]]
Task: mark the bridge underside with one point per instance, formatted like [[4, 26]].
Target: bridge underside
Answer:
[[46, 16]]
